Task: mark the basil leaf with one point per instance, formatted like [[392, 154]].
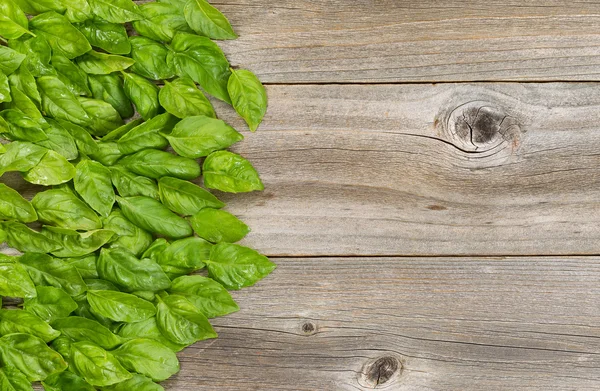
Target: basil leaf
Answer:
[[148, 329], [185, 198], [248, 96], [98, 284], [53, 169], [85, 265], [10, 60], [95, 63], [123, 130], [181, 322], [15, 281], [14, 207], [109, 88], [19, 321], [218, 226], [11, 379], [199, 136], [45, 270], [150, 59], [65, 210], [38, 54], [84, 141], [151, 215], [60, 34], [161, 21], [229, 172], [137, 383], [203, 61], [119, 306], [71, 75], [96, 366], [129, 235], [21, 156], [23, 238], [143, 93], [206, 20], [116, 11], [31, 355], [83, 329], [4, 89], [13, 22], [18, 126], [210, 297], [66, 381], [59, 102], [23, 80], [3, 236], [156, 164], [148, 134], [35, 7], [107, 154], [183, 99], [21, 102], [104, 118], [235, 266], [121, 267], [92, 182], [184, 256], [156, 248], [59, 140], [78, 11], [149, 358], [111, 37], [77, 244], [129, 184]]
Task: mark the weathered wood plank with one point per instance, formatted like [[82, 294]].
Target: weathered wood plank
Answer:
[[452, 324], [416, 40]]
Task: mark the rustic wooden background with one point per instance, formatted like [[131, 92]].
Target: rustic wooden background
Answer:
[[432, 173]]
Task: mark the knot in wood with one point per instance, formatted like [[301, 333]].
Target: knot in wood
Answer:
[[309, 328], [381, 371]]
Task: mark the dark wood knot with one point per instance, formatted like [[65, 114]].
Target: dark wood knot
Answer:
[[309, 328], [381, 371]]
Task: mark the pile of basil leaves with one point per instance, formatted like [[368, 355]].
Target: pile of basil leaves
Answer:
[[93, 94]]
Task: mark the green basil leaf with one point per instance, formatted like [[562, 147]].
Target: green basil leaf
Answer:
[[92, 182], [59, 140], [11, 379], [82, 329], [181, 322], [153, 163], [78, 10], [184, 256], [248, 96], [204, 62], [116, 11], [109, 88], [85, 265], [17, 125], [121, 267], [206, 20], [77, 244], [107, 154], [199, 136], [120, 306], [156, 248], [210, 297], [19, 321], [218, 226], [45, 270], [14, 207], [21, 156], [104, 118], [84, 141], [123, 130], [149, 358], [151, 215], [24, 239], [3, 236], [59, 102], [66, 381], [60, 34], [129, 235], [13, 22], [229, 172], [148, 134], [21, 102], [148, 329], [71, 75], [53, 169], [185, 198], [129, 184], [150, 59], [137, 383], [183, 99], [38, 54], [31, 355], [65, 210], [23, 80], [4, 89], [96, 63], [50, 304], [235, 266], [35, 7], [10, 60], [161, 21], [96, 366], [111, 37], [143, 93], [15, 281], [98, 284]]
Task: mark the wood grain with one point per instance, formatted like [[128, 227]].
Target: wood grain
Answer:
[[451, 324], [365, 41]]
